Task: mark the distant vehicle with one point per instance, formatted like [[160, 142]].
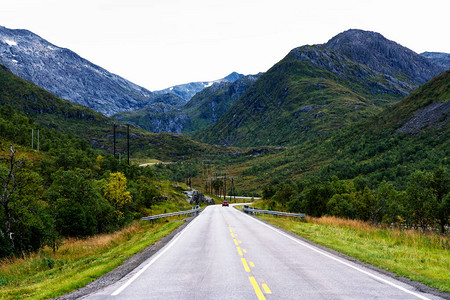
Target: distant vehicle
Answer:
[[225, 203]]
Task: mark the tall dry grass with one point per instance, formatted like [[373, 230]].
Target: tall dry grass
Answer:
[[71, 249], [408, 237]]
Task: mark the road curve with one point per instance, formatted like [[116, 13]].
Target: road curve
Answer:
[[225, 254]]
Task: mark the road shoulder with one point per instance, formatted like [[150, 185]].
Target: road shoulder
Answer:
[[418, 285], [129, 265]]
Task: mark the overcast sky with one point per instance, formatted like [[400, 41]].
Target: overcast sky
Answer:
[[160, 43]]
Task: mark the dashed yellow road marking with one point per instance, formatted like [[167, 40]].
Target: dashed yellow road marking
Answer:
[[258, 291], [266, 289], [244, 262], [252, 279]]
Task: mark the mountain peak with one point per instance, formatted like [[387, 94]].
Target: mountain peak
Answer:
[[188, 90], [233, 77], [438, 58], [383, 55]]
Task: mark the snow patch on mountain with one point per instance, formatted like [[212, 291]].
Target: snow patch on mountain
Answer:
[[9, 42]]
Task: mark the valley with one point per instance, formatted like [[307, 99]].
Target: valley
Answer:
[[355, 128]]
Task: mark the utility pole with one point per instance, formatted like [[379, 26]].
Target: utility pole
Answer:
[[32, 139], [128, 142], [114, 134], [225, 188]]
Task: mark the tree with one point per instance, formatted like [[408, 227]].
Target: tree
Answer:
[[284, 194], [421, 202], [11, 180], [441, 185], [315, 197], [342, 205], [217, 185], [385, 204], [77, 207], [116, 193]]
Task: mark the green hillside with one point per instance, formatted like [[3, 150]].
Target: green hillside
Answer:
[[311, 91], [49, 111], [205, 108], [374, 148]]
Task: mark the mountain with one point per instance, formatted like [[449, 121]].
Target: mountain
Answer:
[[321, 88], [67, 75], [207, 106], [384, 56], [46, 110], [413, 134], [438, 58], [203, 109], [188, 90]]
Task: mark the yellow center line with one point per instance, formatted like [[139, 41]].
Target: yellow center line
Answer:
[[245, 251], [244, 262], [239, 251], [251, 264], [240, 242], [232, 235], [266, 289], [258, 291], [231, 230], [235, 242]]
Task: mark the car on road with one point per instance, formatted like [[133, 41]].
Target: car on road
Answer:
[[225, 203]]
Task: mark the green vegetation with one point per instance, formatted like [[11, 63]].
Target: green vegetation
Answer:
[[48, 112], [408, 253], [73, 188], [47, 275], [424, 204], [203, 109], [369, 152], [68, 214], [300, 98], [67, 189]]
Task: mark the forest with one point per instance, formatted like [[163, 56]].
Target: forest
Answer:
[[66, 189]]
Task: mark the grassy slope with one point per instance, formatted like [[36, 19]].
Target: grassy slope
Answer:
[[369, 147], [76, 263], [421, 257], [297, 100], [83, 122]]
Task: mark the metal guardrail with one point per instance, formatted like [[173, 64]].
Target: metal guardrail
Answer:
[[178, 213], [252, 210]]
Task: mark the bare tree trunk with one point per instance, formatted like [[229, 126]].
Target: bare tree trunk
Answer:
[[10, 184]]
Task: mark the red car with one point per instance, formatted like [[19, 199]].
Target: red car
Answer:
[[225, 203]]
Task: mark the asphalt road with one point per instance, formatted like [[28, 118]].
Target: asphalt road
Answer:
[[225, 254]]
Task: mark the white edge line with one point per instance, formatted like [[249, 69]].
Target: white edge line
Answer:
[[340, 261], [154, 259]]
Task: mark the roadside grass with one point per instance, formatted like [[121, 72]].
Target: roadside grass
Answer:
[[46, 275], [419, 256]]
